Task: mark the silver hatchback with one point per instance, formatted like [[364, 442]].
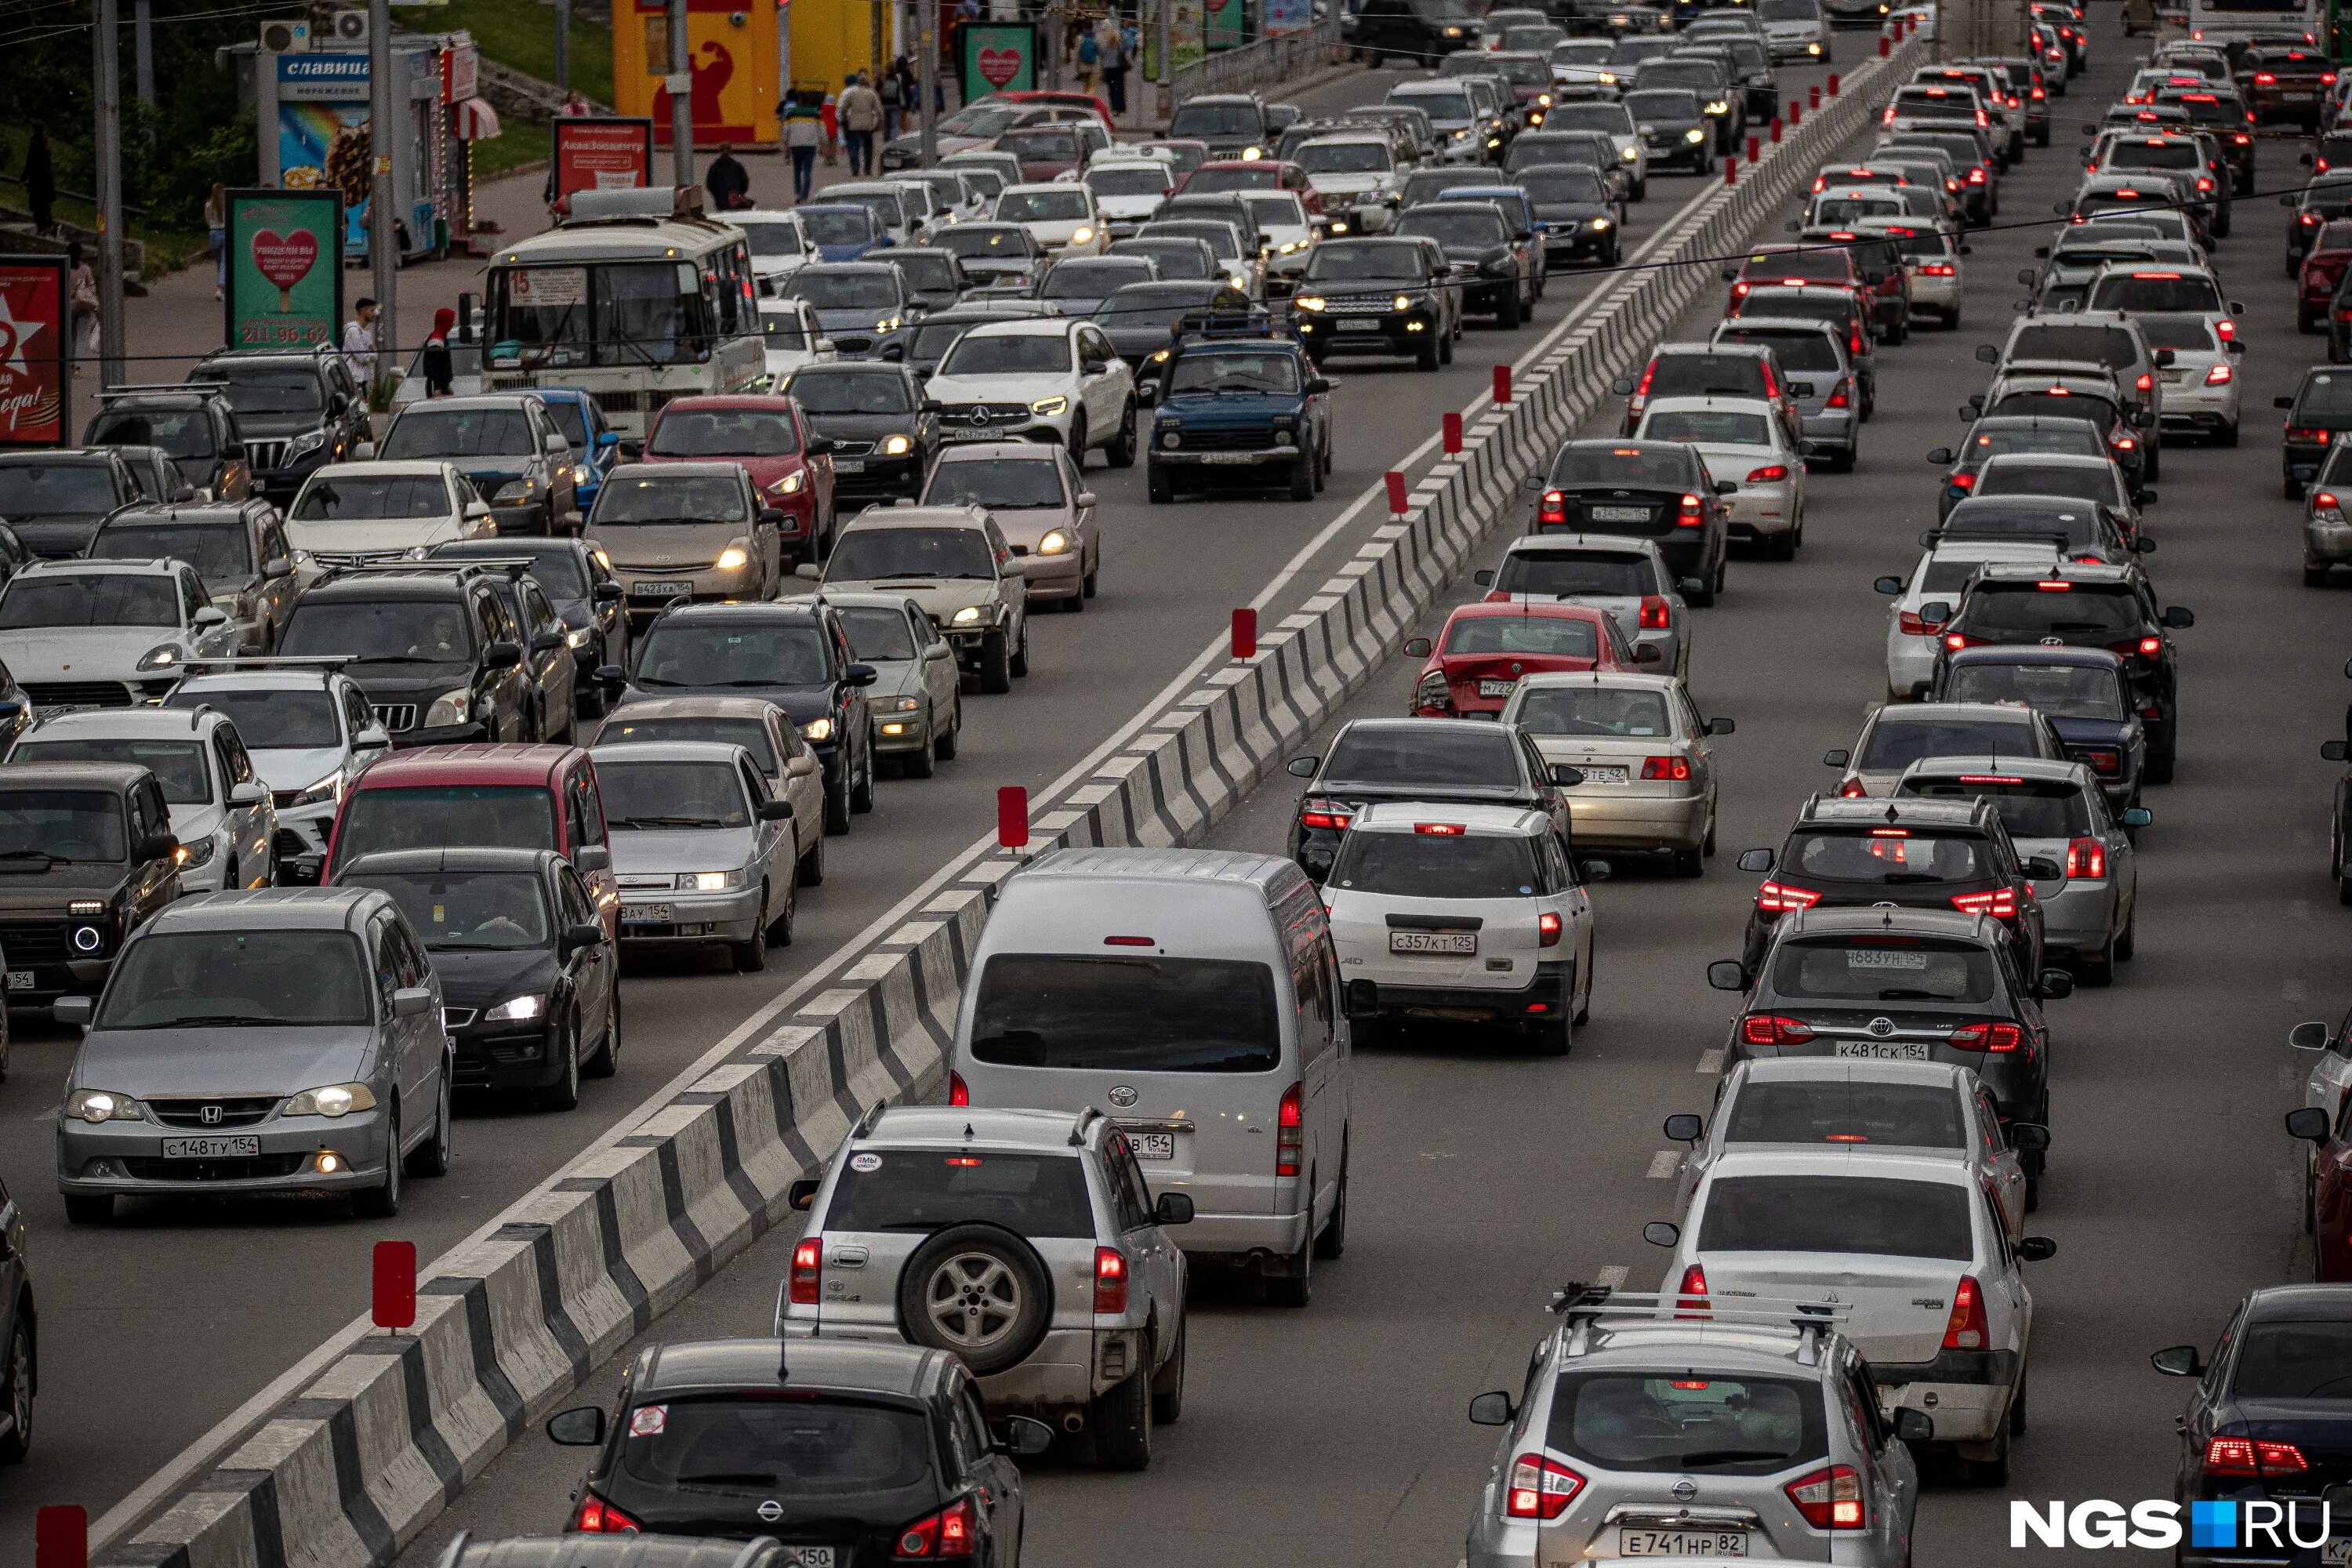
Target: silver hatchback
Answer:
[[1753, 1432]]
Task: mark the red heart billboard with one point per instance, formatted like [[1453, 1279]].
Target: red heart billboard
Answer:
[[285, 259]]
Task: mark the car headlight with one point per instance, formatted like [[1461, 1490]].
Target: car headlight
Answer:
[[97, 1105], [335, 1100], [451, 707], [1462, 134], [1171, 439], [1159, 356], [1693, 134], [1306, 301], [1719, 106], [900, 705], [1054, 543], [1338, 227], [516, 1009], [164, 658], [188, 857], [519, 490], [818, 728], [710, 881], [897, 447], [969, 615], [1402, 303], [1240, 281], [1629, 154], [303, 445], [734, 558], [887, 324], [1453, 32], [790, 485], [1049, 406], [1609, 76], [327, 789], [579, 636], [1287, 247], [1082, 235], [1597, 223]]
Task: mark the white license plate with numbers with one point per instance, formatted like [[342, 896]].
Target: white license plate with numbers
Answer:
[[1620, 513], [211, 1148], [1441, 942], [806, 1557], [1360, 326], [1600, 776], [20, 980], [645, 914], [1885, 1050], [1152, 1145], [660, 590], [843, 466], [1495, 688], [1229, 456], [1682, 1542]]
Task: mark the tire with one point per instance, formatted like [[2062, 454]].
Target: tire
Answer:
[[1507, 314], [606, 1060], [16, 1396], [1688, 863], [2160, 768], [1017, 662], [1168, 1382], [836, 802], [780, 929], [1445, 341], [1120, 453], [810, 868], [2227, 436], [1302, 478], [2100, 971], [1331, 1241], [1556, 1037], [1078, 443], [1297, 1287], [1781, 546], [1426, 357], [2305, 322], [1582, 1015], [2290, 489], [750, 955], [861, 789], [1992, 1472], [432, 1156], [1094, 578], [923, 763], [384, 1201], [2017, 1407], [978, 1292], [2127, 942], [95, 1209], [2155, 469], [1157, 486], [1075, 604], [995, 658], [563, 1094], [1640, 192], [1121, 1421], [952, 736], [1704, 598], [1952, 318]]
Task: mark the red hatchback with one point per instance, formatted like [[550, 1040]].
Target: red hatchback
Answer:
[[1485, 647], [2322, 269], [791, 466]]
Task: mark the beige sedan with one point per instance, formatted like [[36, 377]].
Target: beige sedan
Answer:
[[1046, 510], [1645, 753], [760, 728]]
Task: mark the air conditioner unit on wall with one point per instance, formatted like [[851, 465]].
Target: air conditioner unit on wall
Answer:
[[350, 26], [286, 36]]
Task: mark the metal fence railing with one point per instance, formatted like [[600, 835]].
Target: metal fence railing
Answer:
[[1269, 60]]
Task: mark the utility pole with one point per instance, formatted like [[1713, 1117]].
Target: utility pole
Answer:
[[142, 51], [563, 45], [1167, 61], [107, 53], [680, 82], [926, 77], [387, 101]]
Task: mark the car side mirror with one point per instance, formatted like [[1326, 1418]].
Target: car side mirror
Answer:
[[1936, 612], [2145, 418], [1302, 767], [1726, 487], [158, 847], [233, 451], [772, 517], [581, 1426], [2143, 498], [73, 1012], [1025, 1437], [2056, 984], [2335, 751], [587, 933], [822, 445], [1594, 871], [2308, 1122], [1727, 974], [632, 449], [2027, 1137], [475, 509], [555, 446], [1492, 1409], [1836, 757], [1566, 775], [364, 452], [933, 405], [2310, 1037], [1086, 498], [249, 793], [411, 1002], [1662, 1233], [502, 655], [893, 352], [211, 616], [2138, 816], [1685, 1128], [1622, 387], [2237, 308], [1173, 1208], [606, 594], [1416, 647], [777, 810], [276, 567], [808, 571], [2291, 201], [372, 739], [1756, 860], [2288, 403], [1913, 1426], [2179, 618], [1941, 456], [2179, 1361], [859, 675], [1318, 386], [1361, 1001], [1891, 586], [1483, 577], [547, 642], [590, 859], [801, 1195]]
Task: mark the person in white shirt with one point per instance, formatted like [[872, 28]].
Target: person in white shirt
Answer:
[[359, 338]]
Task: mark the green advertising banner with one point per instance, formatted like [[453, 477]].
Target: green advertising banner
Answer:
[[1222, 28], [285, 268], [997, 56]]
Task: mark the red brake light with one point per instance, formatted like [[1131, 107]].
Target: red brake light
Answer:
[[1997, 1039], [1964, 481], [1999, 902], [1694, 1291], [1648, 371], [1547, 929], [1941, 270], [2086, 858], [2144, 382], [597, 1517], [1913, 626], [1852, 790], [1956, 640], [1778, 898], [2150, 647], [1674, 768], [1130, 942], [1290, 1136], [1830, 1498], [2055, 585], [1539, 1487], [2264, 78], [1656, 614], [1838, 399], [1691, 514], [1772, 1030], [2218, 376], [1966, 1329], [2249, 1456], [1440, 829], [1110, 1280], [2305, 434], [1975, 175], [2278, 1458], [2103, 762], [1555, 507], [2226, 328], [1739, 289], [1331, 813], [958, 1091], [1764, 474], [807, 1268], [946, 1533], [2325, 501]]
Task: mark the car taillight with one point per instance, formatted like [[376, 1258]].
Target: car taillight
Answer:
[[2241, 138], [1830, 1498], [2146, 381], [1289, 1134], [1772, 1030], [1539, 1487], [2038, 93], [1999, 902], [1852, 790], [1958, 640], [2264, 78], [1693, 1292], [2307, 433], [2146, 648], [1912, 626], [1941, 270], [1966, 1329], [1674, 768], [1435, 695], [1838, 399], [1778, 898], [1998, 1040], [950, 1532], [1692, 514], [2104, 761], [597, 1517], [958, 1091], [1643, 391], [2326, 502], [1769, 474], [2227, 329], [1976, 176], [2086, 858], [1331, 813], [1110, 1280], [1548, 926], [2218, 376], [2122, 442], [808, 1267], [1657, 616], [1962, 481], [2311, 220], [1853, 340], [1554, 508], [1739, 291], [2250, 1456]]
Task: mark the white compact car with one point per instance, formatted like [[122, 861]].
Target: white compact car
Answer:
[[105, 633], [307, 727], [1128, 190], [793, 338], [1062, 218], [1355, 175], [779, 245], [1282, 218], [2204, 386], [1743, 442], [1795, 30], [351, 514], [1043, 380], [1939, 574], [1453, 912], [1648, 765], [1917, 1252]]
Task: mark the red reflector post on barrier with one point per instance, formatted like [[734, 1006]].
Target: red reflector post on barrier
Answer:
[[1012, 816], [1834, 84], [61, 1536], [1502, 384], [1881, 46], [1755, 149], [393, 1287], [1452, 426], [1814, 96], [1776, 130], [1396, 492], [1731, 171], [1244, 633]]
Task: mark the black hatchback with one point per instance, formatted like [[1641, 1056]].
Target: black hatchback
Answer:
[[2320, 408], [1657, 490], [1466, 760], [871, 1453]]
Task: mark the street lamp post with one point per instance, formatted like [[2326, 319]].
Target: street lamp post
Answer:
[[383, 223], [109, 85]]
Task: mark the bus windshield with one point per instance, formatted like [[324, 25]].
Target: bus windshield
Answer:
[[612, 313]]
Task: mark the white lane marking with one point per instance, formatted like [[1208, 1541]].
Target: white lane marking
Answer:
[[1710, 1061], [1612, 1278], [1664, 1163]]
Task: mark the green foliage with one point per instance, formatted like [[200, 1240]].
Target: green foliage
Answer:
[[520, 34]]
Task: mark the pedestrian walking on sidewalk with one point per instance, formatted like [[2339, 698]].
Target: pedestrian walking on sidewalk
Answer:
[[216, 234], [1111, 53], [359, 339], [803, 131], [1089, 62], [41, 180], [830, 115], [81, 292], [728, 183], [891, 89], [861, 116]]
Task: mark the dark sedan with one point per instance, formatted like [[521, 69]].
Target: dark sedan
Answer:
[[1582, 218], [1497, 275], [2320, 408], [1657, 490], [884, 431], [1672, 127]]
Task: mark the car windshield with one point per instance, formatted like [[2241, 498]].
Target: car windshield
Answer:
[[54, 490], [724, 433], [863, 289], [1041, 206], [1790, 10], [1877, 1216], [1906, 1115], [1586, 465], [1836, 210], [2029, 808], [664, 796], [1702, 375], [924, 268], [2018, 613], [344, 497], [1041, 145], [748, 733], [1800, 353], [879, 635], [459, 433], [848, 391], [1707, 426], [42, 827], [1703, 76], [1546, 636], [1214, 182], [2022, 476], [1676, 1421], [873, 554], [1222, 238], [2058, 436], [1593, 710], [1009, 353], [2140, 154], [980, 120], [2069, 405], [1128, 180], [921, 1190], [1815, 266], [1896, 742], [1345, 158], [219, 979], [1891, 857], [222, 553], [984, 242], [1230, 370], [1561, 184], [500, 910], [838, 226], [2291, 1360], [771, 239], [1140, 305], [1881, 968], [2325, 394], [267, 718], [723, 653], [1461, 757], [1456, 228], [1133, 1013], [178, 765], [2135, 292], [2178, 332], [1437, 865], [1662, 103], [686, 499], [256, 389], [180, 432], [1210, 121], [1445, 106], [445, 816], [996, 482], [2109, 346], [90, 599], [1571, 574], [423, 631], [814, 1450]]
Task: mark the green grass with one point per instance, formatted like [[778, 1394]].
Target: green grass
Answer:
[[520, 34], [517, 143]]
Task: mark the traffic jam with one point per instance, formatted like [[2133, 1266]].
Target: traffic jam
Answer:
[[358, 772]]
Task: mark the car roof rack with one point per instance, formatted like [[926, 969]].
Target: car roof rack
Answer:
[[872, 1113], [1586, 1307], [1227, 326], [193, 384], [1088, 1116]]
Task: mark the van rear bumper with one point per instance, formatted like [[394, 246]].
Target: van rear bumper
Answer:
[[1236, 1237], [1544, 998]]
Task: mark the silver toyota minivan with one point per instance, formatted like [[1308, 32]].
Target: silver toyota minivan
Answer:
[[1195, 994]]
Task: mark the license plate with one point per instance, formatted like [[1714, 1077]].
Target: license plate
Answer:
[[1152, 1145], [2335, 1552], [1444, 941], [659, 590], [843, 466], [1619, 513], [1885, 1050], [1495, 688], [211, 1148], [1360, 326], [645, 914], [807, 1557], [1600, 776], [1682, 1542], [20, 980], [1228, 458]]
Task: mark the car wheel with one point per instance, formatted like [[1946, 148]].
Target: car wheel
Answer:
[[978, 1292], [836, 800], [2017, 1408], [2227, 436], [2100, 971], [1122, 1425], [995, 658], [922, 764], [1507, 314], [809, 869], [383, 1201], [1689, 863], [2291, 488], [432, 1156], [1157, 486], [1331, 1241], [1781, 546], [1120, 453], [1168, 1382], [780, 929], [1445, 341], [606, 1060], [1018, 661], [2128, 941], [17, 1396], [1427, 356], [1094, 574], [1078, 442], [952, 736], [1302, 477], [563, 1094], [1992, 1472], [861, 793], [1296, 1286], [750, 955]]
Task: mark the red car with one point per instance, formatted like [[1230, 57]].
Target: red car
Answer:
[[1485, 647], [1046, 151], [791, 466], [2329, 1219], [1223, 175], [2322, 269]]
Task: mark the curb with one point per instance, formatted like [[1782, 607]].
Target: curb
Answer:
[[354, 1467]]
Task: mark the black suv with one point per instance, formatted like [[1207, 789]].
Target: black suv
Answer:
[[86, 854], [583, 591], [795, 655], [1468, 760], [2077, 604], [1232, 124], [436, 650], [509, 448], [55, 499], [195, 427], [873, 1453], [295, 412], [1908, 853], [1933, 985], [1420, 30]]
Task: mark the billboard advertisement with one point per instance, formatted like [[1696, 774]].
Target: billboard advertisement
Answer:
[[730, 65], [1288, 16], [603, 155], [997, 56], [35, 376], [285, 268]]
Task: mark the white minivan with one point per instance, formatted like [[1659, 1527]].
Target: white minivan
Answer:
[[1192, 995]]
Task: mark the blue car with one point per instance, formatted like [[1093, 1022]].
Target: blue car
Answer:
[[1238, 404], [843, 231], [585, 425], [2085, 692]]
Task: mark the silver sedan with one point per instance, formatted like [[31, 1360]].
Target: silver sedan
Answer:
[[703, 852]]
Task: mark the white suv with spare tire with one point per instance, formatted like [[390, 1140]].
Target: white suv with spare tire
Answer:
[[1026, 1242]]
